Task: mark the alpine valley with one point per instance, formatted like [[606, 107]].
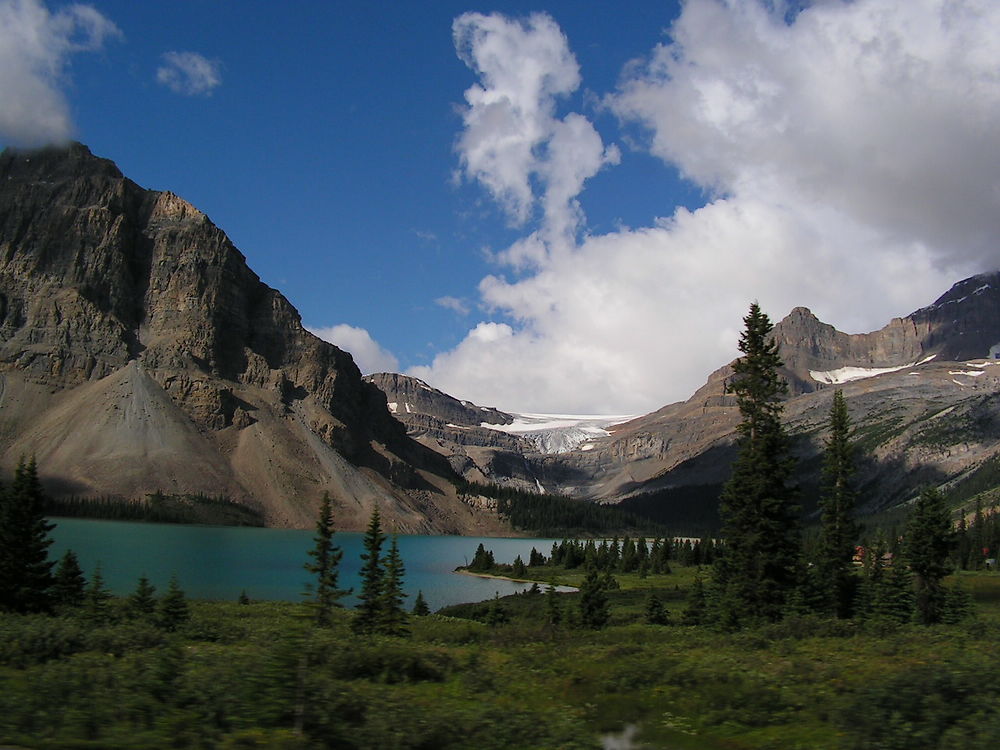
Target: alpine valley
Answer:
[[140, 356]]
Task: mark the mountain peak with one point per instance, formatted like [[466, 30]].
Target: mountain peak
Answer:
[[55, 162]]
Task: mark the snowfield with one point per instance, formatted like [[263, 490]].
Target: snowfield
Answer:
[[559, 433], [847, 374]]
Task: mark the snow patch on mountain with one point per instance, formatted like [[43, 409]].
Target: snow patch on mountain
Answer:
[[847, 374], [559, 433]]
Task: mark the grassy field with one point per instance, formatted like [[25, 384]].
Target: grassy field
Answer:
[[258, 675]]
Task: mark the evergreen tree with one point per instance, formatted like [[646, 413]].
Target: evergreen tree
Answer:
[[696, 604], [553, 607], [496, 614], [892, 596], [366, 618], [593, 601], [838, 530], [69, 585], [483, 560], [392, 616], [142, 601], [25, 569], [325, 566], [656, 613], [536, 558], [926, 543], [420, 608], [243, 598], [518, 569], [173, 610], [760, 567], [97, 599]]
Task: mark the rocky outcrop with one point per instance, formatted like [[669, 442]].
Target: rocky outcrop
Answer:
[[105, 285], [962, 324], [453, 428]]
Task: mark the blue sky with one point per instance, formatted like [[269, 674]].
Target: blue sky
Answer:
[[533, 245]]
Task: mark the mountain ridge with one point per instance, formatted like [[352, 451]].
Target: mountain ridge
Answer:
[[101, 278]]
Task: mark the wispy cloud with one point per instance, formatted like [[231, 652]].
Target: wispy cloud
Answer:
[[368, 354], [189, 73], [512, 135], [453, 303], [35, 49], [852, 158]]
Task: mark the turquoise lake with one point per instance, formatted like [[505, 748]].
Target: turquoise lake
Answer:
[[218, 562]]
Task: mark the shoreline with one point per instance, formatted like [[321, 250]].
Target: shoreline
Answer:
[[495, 577]]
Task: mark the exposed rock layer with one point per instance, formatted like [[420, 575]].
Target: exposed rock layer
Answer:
[[927, 422], [139, 352]]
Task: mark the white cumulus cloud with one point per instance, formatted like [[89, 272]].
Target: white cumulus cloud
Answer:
[[512, 134], [368, 354], [853, 161], [189, 73], [35, 49]]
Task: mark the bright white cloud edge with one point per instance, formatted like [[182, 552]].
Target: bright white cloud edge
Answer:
[[368, 354], [851, 153], [35, 49]]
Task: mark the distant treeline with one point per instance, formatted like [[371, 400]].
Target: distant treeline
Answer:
[[558, 515], [158, 507]]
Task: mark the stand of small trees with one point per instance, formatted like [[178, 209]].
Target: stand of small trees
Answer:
[[556, 515], [380, 609]]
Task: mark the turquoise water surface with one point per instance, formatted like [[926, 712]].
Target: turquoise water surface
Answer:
[[218, 562]]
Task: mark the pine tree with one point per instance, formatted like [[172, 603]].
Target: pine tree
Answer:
[[656, 613], [142, 601], [760, 567], [518, 569], [496, 614], [838, 530], [926, 543], [69, 585], [420, 608], [243, 599], [173, 610], [367, 617], [553, 608], [593, 601], [696, 604], [325, 566], [392, 616], [97, 599], [25, 569]]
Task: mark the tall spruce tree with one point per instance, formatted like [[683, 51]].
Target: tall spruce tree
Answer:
[[392, 616], [420, 608], [141, 603], [594, 612], [97, 599], [326, 556], [761, 564], [369, 607], [928, 539], [69, 583], [838, 530], [173, 610], [26, 578]]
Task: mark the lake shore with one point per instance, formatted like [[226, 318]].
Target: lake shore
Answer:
[[558, 586]]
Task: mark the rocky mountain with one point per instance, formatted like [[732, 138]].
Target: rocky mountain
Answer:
[[139, 353], [924, 392], [455, 430]]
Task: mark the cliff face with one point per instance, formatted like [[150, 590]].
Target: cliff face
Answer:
[[962, 324], [106, 285]]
